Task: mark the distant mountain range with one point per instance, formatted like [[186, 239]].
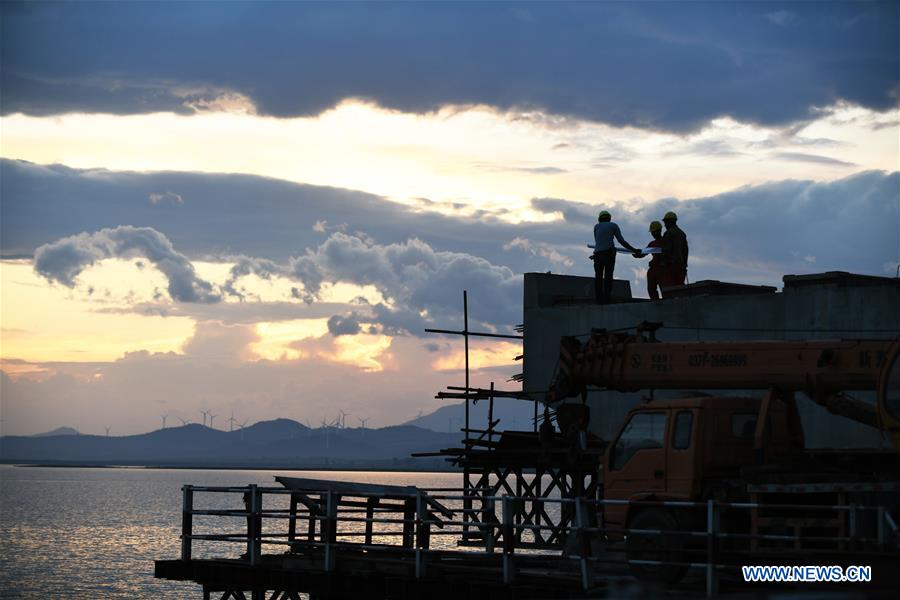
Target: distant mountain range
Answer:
[[58, 431], [513, 414], [279, 443]]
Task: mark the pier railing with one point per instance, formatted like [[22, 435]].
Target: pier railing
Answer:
[[324, 523]]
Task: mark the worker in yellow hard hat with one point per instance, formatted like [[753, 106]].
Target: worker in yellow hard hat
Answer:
[[657, 268], [675, 250], [604, 256]]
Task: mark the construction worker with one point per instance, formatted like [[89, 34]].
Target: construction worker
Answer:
[[675, 250], [604, 256], [656, 269]]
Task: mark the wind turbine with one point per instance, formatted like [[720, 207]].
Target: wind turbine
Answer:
[[183, 421], [164, 420], [204, 413], [325, 426], [362, 422], [242, 425], [231, 422], [107, 430], [343, 418], [211, 417]]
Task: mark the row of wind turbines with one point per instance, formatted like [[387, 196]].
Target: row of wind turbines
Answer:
[[206, 414], [340, 422]]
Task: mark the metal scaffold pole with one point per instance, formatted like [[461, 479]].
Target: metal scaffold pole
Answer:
[[466, 337]]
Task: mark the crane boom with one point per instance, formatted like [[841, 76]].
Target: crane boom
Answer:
[[822, 369]]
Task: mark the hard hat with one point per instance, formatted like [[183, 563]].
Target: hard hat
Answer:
[[603, 213], [670, 216], [655, 226]]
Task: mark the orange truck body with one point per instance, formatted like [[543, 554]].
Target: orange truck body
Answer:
[[696, 448], [697, 454]]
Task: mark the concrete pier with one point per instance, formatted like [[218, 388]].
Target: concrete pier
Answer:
[[833, 305]]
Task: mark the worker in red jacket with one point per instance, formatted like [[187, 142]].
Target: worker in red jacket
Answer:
[[675, 251], [657, 268]]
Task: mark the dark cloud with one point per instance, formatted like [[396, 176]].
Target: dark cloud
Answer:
[[421, 260], [226, 215], [344, 325], [761, 232], [63, 260], [667, 66], [261, 267]]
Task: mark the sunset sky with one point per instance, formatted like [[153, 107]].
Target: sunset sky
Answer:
[[257, 208]]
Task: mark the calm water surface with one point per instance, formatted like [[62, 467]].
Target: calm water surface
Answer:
[[94, 533]]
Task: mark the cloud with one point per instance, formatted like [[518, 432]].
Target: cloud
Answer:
[[344, 325], [218, 341], [302, 389], [165, 197], [759, 233], [744, 235], [413, 277], [812, 158], [672, 67], [539, 249], [224, 216], [244, 265], [63, 260], [417, 281], [542, 170], [710, 148]]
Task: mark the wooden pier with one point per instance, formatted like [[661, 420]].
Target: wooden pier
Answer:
[[363, 540]]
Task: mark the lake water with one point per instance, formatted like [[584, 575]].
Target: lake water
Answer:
[[94, 533]]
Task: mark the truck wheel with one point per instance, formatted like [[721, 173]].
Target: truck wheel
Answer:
[[654, 546]]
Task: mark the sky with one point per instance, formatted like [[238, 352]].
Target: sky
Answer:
[[257, 209]]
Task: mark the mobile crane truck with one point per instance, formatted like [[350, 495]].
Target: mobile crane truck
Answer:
[[738, 449]]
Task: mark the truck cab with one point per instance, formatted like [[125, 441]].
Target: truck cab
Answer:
[[688, 449]]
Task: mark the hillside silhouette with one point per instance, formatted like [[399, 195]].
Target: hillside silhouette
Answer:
[[280, 442]]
